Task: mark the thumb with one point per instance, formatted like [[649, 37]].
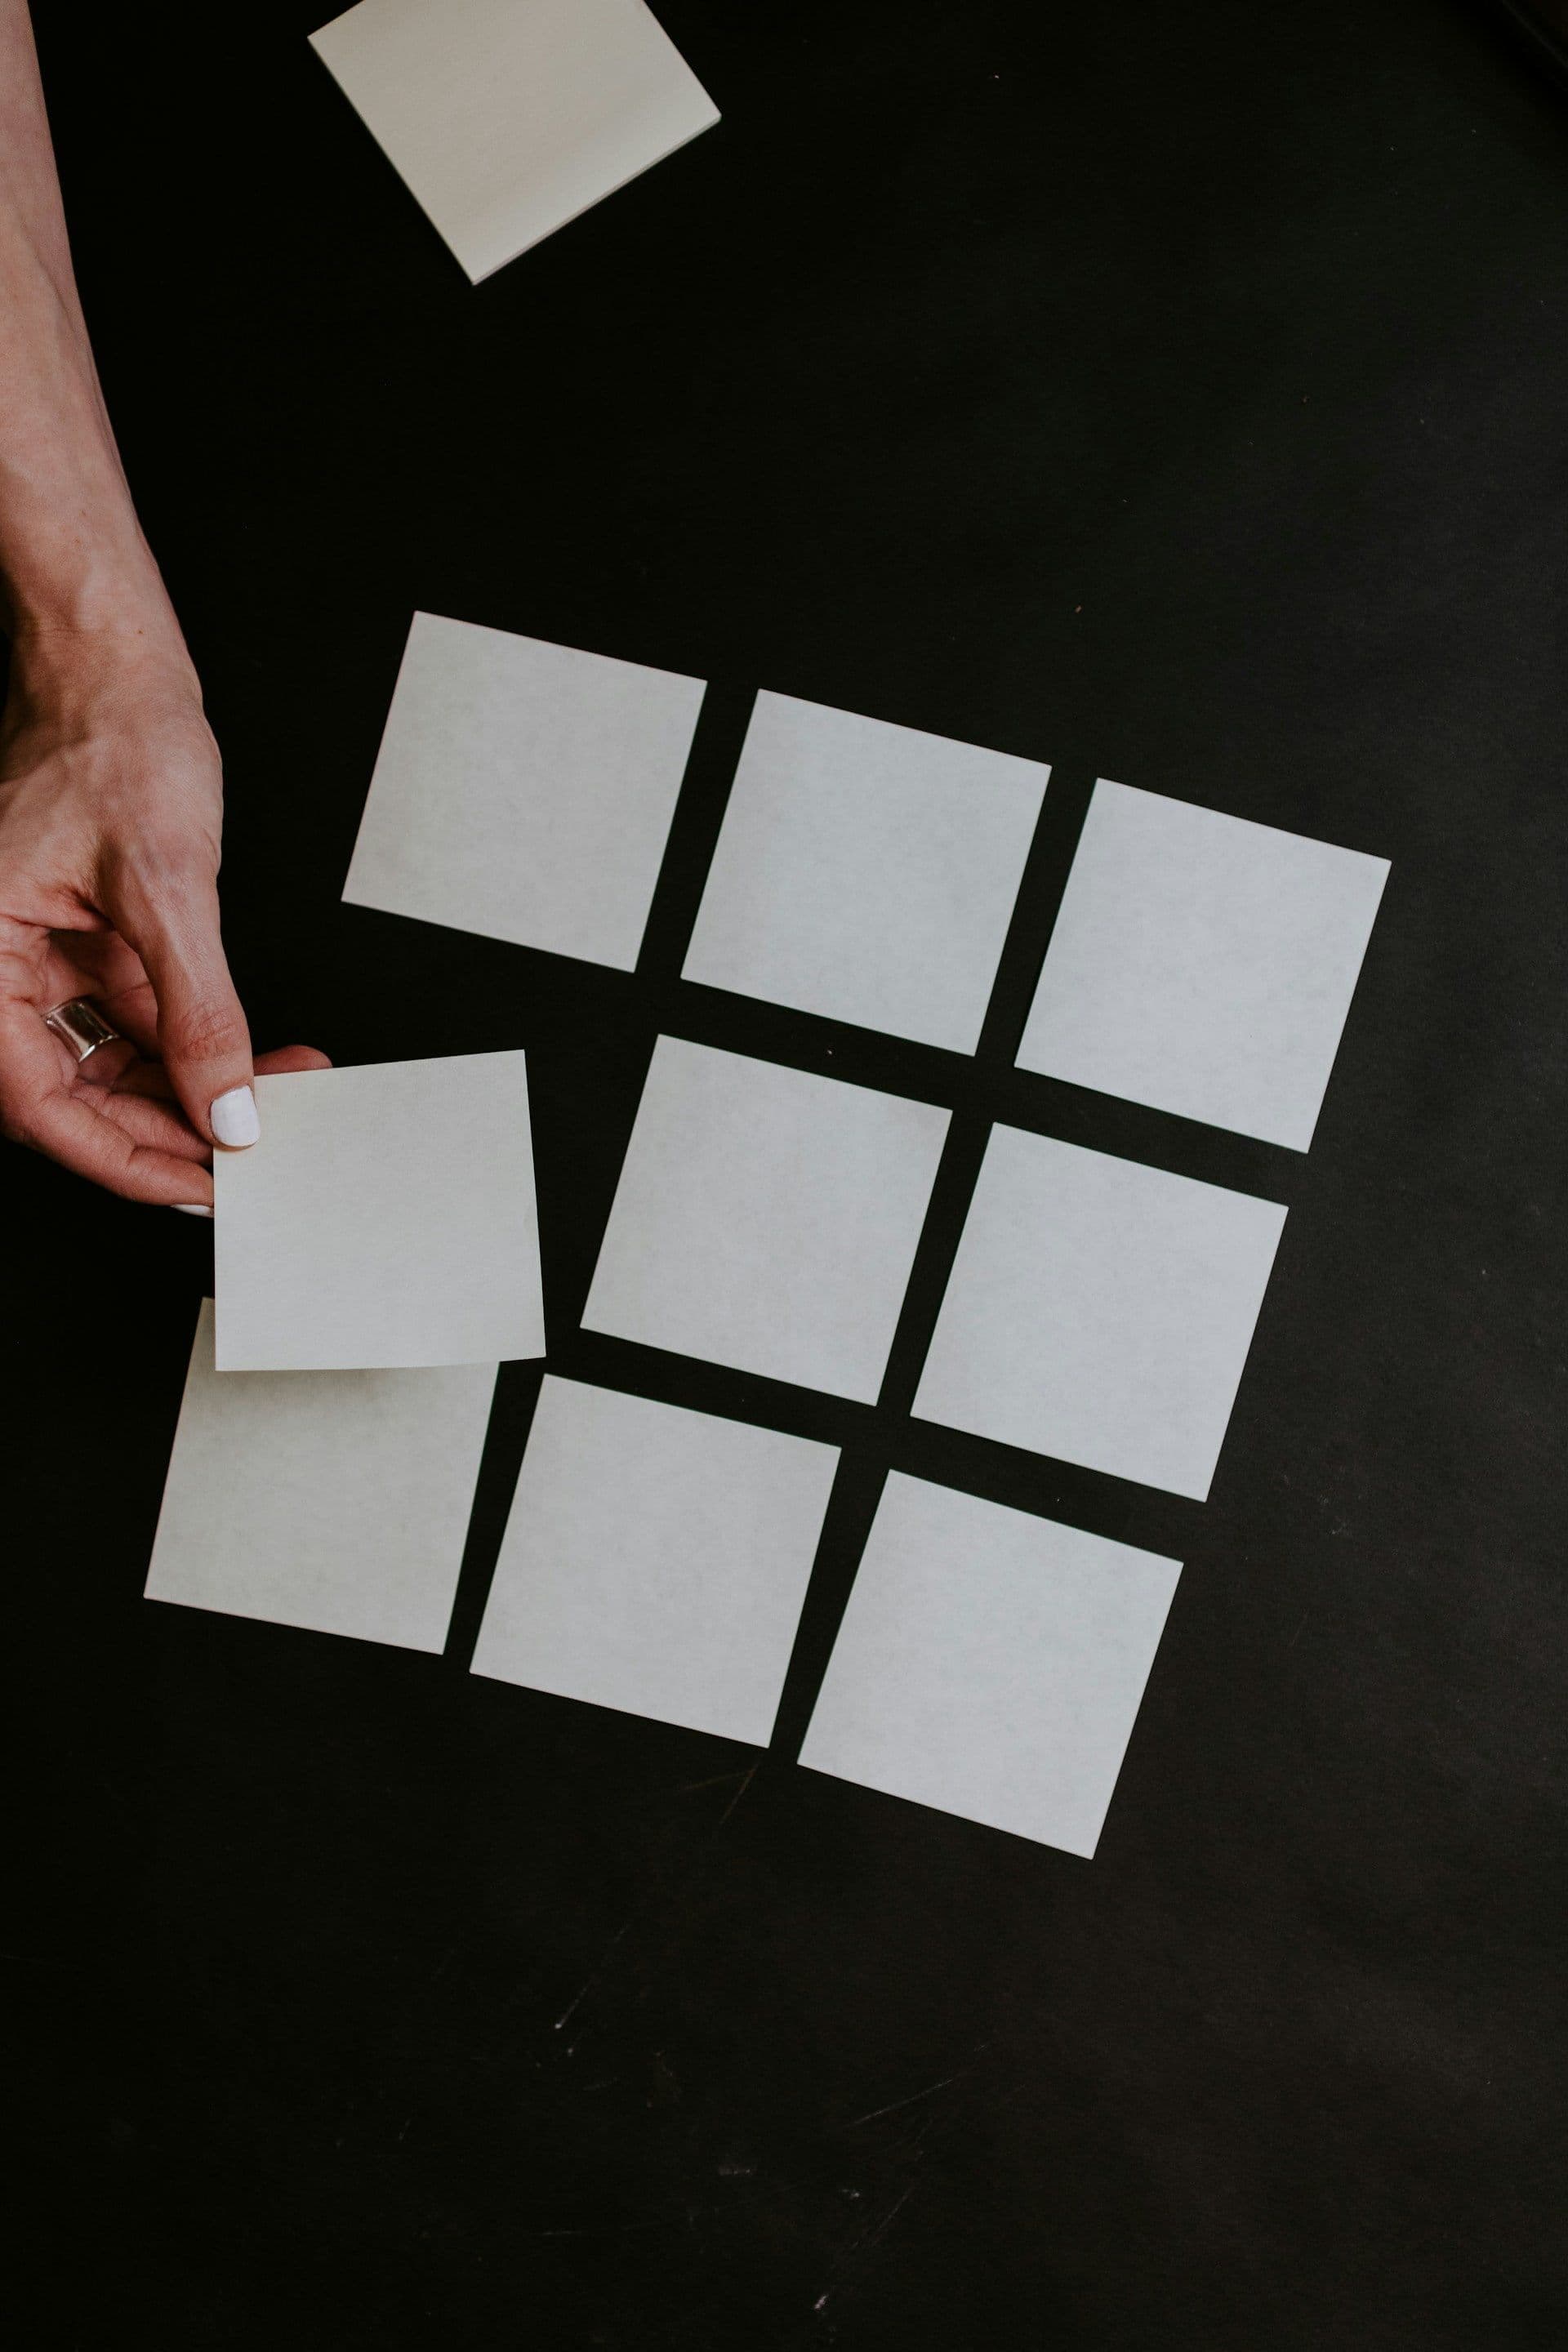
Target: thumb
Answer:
[[172, 925]]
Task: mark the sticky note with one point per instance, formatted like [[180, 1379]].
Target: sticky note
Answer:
[[387, 1217], [866, 872], [1100, 1311], [506, 118], [991, 1664], [766, 1219], [1202, 964], [524, 791], [655, 1561], [337, 1501]]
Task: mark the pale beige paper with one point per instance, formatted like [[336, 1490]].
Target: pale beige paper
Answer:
[[387, 1217], [1100, 1311], [766, 1219], [1202, 964], [505, 119], [867, 872], [991, 1664], [655, 1561], [524, 791], [337, 1501]]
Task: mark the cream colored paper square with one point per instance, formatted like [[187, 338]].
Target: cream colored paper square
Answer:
[[867, 872], [1202, 964], [387, 1217], [655, 1561], [505, 119], [1100, 1311], [523, 790], [991, 1664], [766, 1219], [337, 1501]]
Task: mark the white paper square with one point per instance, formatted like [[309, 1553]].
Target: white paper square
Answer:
[[1100, 1311], [1202, 964], [655, 1561], [338, 1501], [867, 872], [524, 791], [991, 1664], [506, 118], [387, 1217], [766, 1219]]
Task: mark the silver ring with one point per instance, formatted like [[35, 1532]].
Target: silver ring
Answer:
[[82, 1026]]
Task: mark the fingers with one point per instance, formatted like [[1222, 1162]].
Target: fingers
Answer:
[[168, 911], [130, 1144]]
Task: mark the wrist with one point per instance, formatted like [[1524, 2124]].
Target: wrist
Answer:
[[133, 658]]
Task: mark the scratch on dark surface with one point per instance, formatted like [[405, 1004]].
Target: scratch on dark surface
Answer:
[[621, 1933], [737, 1797], [864, 2244], [886, 2221], [1297, 1634], [894, 2105], [690, 1788], [594, 1977]]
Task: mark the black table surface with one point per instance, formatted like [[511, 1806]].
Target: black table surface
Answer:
[[1171, 393]]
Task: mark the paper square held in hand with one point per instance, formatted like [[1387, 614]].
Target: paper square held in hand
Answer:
[[655, 1561], [387, 1217], [337, 1501], [1202, 964], [505, 119], [766, 1219], [523, 790], [1100, 1311], [990, 1664], [867, 872]]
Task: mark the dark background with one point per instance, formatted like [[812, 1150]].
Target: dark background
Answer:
[[1170, 393]]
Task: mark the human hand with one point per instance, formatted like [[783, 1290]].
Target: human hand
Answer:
[[110, 813]]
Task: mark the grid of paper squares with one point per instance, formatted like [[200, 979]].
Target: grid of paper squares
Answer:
[[766, 1219], [523, 790], [335, 1501], [1098, 1310], [990, 1664], [867, 872], [1202, 964], [655, 1561], [506, 118]]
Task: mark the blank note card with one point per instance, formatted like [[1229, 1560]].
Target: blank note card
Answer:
[[655, 1561], [506, 118], [338, 1501], [766, 1219], [387, 1217], [990, 1664], [1202, 964], [866, 872], [1100, 1311], [523, 789]]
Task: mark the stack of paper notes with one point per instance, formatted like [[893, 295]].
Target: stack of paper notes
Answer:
[[377, 1253]]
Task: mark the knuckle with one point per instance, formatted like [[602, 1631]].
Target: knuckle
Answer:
[[205, 1032]]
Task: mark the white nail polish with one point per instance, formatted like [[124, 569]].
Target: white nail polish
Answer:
[[192, 1208], [234, 1123]]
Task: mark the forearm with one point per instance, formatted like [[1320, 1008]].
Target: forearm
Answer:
[[73, 561]]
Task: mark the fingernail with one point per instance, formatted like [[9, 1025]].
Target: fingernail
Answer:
[[234, 1118], [193, 1208]]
